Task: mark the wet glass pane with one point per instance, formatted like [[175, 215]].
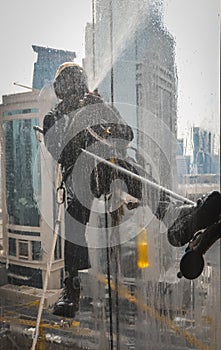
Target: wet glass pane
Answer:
[[110, 175]]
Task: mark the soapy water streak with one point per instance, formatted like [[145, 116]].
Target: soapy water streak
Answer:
[[124, 28], [85, 165]]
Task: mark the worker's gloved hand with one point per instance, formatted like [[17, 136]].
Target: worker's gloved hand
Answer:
[[103, 176], [192, 218]]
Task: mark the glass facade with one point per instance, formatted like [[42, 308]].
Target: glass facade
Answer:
[[21, 160]]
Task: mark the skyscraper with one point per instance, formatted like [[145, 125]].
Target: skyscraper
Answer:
[[48, 60], [202, 150], [129, 57]]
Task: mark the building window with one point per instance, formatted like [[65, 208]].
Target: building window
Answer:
[[22, 275], [36, 250], [20, 111], [12, 246], [23, 249], [24, 233]]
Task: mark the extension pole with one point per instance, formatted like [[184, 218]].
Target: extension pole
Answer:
[[139, 177]]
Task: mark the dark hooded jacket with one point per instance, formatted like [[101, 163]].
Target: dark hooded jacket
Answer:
[[89, 124]]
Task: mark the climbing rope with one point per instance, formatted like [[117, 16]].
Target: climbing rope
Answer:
[[60, 202]]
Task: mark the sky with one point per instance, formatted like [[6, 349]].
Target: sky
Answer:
[[195, 25], [52, 23]]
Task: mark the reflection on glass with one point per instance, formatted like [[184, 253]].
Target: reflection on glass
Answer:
[[20, 154]]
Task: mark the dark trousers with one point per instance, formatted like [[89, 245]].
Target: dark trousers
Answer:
[[75, 249]]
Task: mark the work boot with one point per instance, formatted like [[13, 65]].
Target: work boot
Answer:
[[68, 303], [192, 218]]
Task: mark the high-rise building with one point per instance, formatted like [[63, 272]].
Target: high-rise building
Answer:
[[202, 150], [29, 180], [48, 60], [133, 66], [130, 58]]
